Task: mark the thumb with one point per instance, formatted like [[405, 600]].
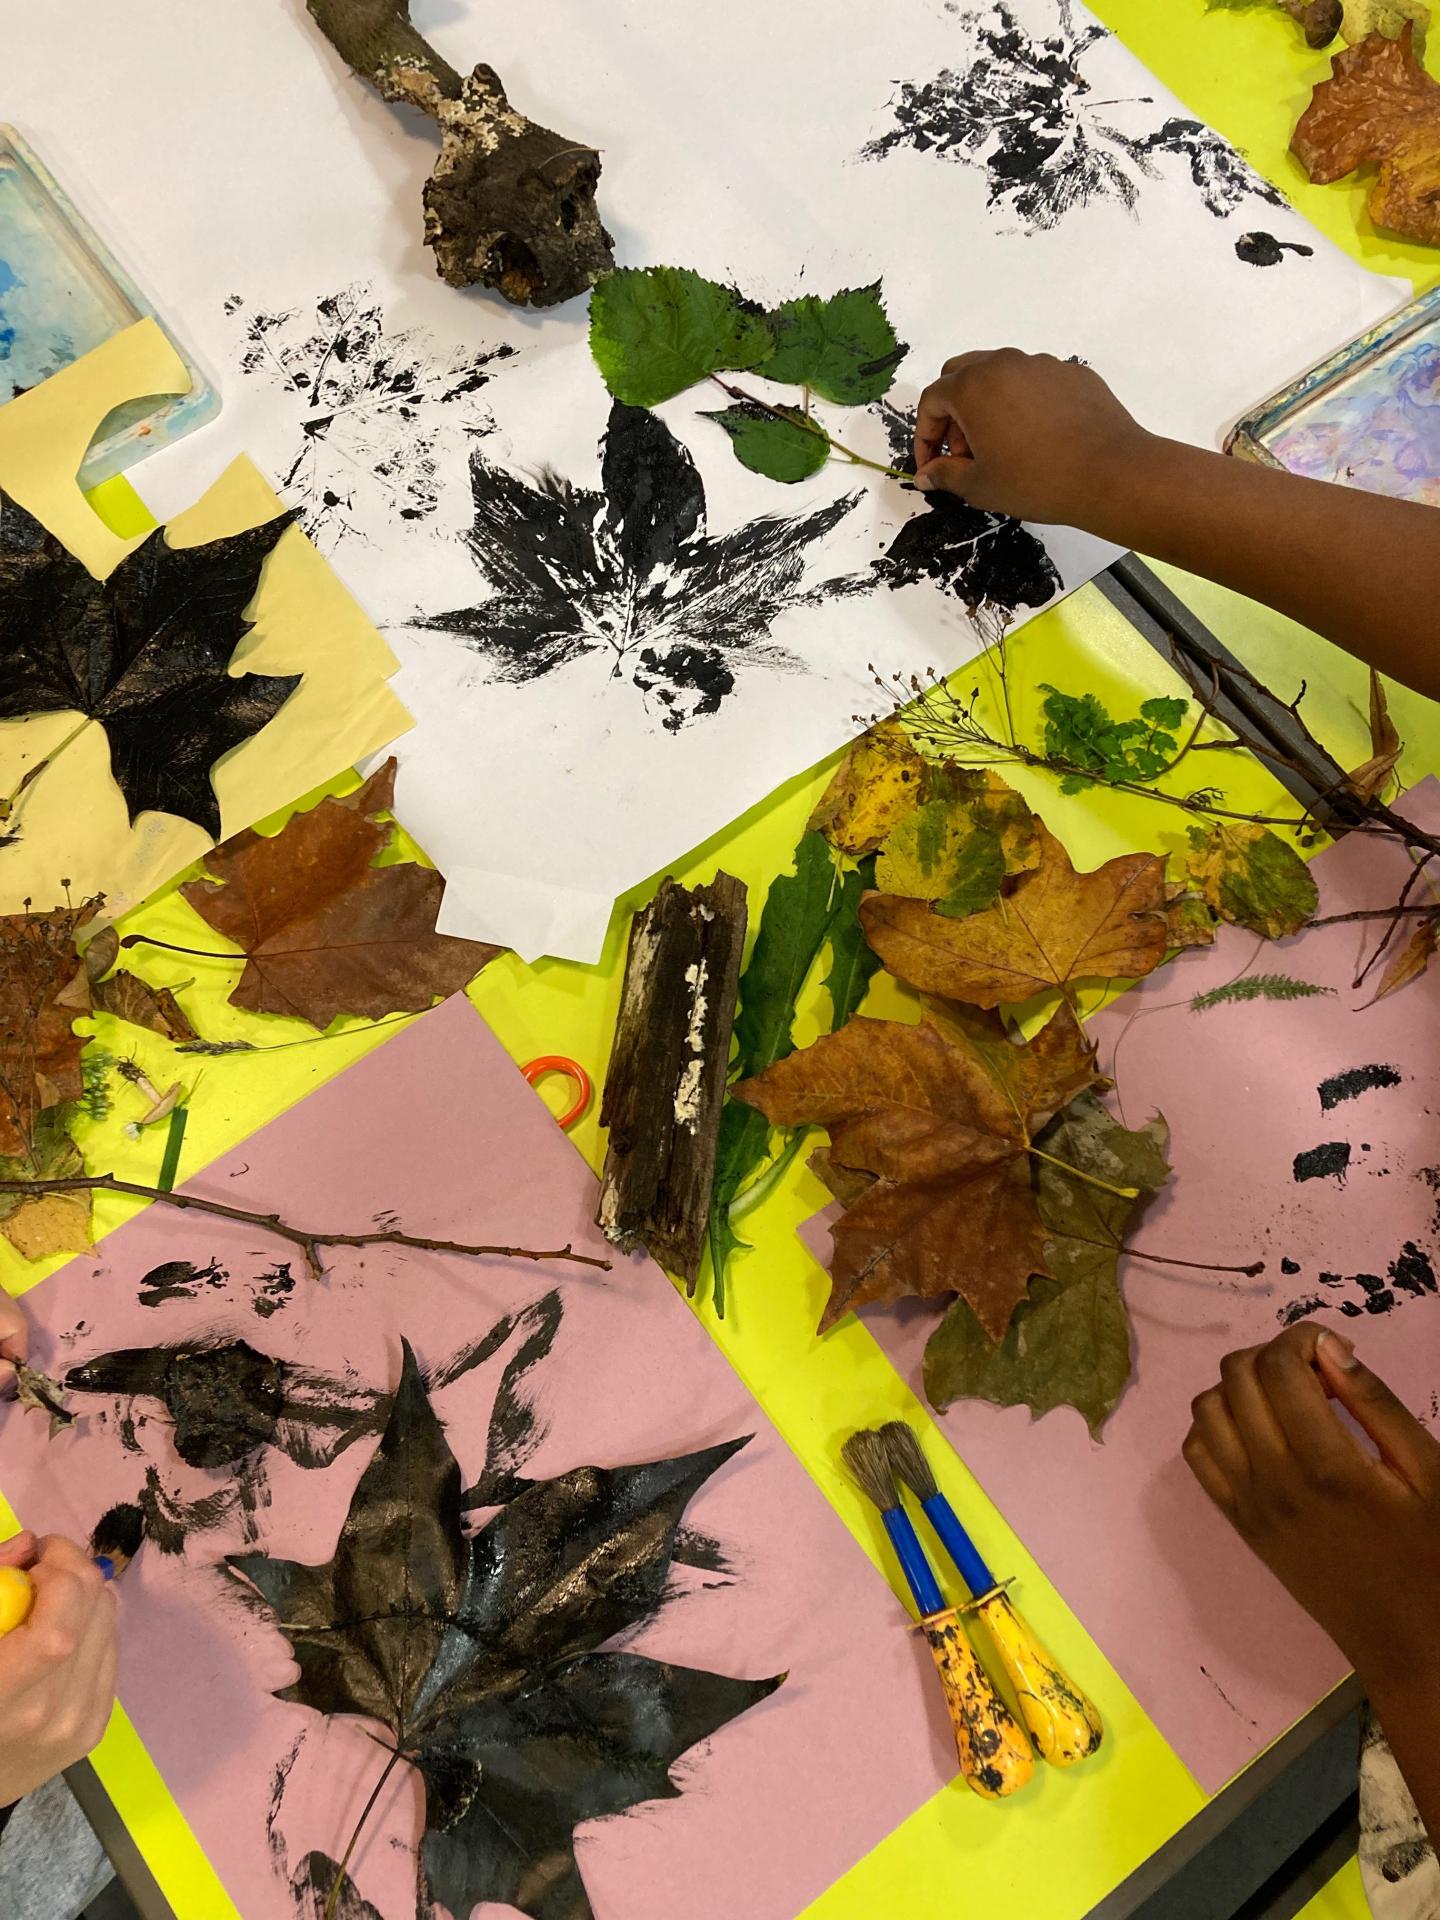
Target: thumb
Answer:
[[1403, 1442], [952, 473], [18, 1550]]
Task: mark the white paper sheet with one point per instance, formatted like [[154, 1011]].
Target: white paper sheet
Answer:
[[1027, 183]]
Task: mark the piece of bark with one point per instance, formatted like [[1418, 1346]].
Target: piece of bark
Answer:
[[510, 204], [666, 1085]]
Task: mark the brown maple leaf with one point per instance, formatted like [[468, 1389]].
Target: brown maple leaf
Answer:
[[325, 931], [1409, 963], [1380, 108], [1386, 746], [43, 989], [1055, 926], [941, 1121]]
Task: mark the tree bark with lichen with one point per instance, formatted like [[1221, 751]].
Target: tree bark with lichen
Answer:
[[510, 204]]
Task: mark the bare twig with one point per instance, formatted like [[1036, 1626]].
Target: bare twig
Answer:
[[309, 1242]]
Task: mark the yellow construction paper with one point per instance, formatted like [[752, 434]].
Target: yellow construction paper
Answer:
[[72, 820], [1342, 1898]]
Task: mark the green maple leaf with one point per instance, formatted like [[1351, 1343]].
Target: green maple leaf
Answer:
[[843, 348], [1068, 1344], [782, 448], [654, 331], [1251, 877]]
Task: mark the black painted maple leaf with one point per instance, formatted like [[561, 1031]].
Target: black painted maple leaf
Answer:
[[630, 574], [144, 652], [1020, 107], [481, 1656]]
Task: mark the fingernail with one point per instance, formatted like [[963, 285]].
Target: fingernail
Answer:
[[925, 483], [1337, 1348]]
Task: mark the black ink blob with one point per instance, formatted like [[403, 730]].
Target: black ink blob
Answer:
[[178, 1280], [629, 578], [1018, 107], [1378, 1297], [1264, 250], [1355, 1081], [277, 1287], [1320, 1163], [1289, 1266], [1412, 1272]]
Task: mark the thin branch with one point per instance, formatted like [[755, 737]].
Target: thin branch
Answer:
[[309, 1243], [1374, 913], [340, 1872]]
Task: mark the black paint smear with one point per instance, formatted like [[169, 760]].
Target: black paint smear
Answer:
[[1323, 1162], [171, 1520], [1264, 250], [1355, 1081], [1289, 1266], [629, 577], [516, 1429], [1298, 1309], [373, 409], [1378, 1297], [701, 1551], [224, 1400], [1019, 108], [277, 1285], [988, 561], [1412, 1272], [1226, 1698], [1332, 1280], [311, 1885], [178, 1280], [1350, 1310]]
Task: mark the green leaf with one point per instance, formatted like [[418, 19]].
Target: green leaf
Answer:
[[956, 846], [1258, 986], [853, 961], [1068, 1344], [782, 449], [1079, 729], [654, 331], [1251, 877], [843, 348], [1163, 712]]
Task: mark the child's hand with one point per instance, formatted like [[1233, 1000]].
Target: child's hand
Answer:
[[57, 1671], [1356, 1539], [14, 1333], [1024, 433]]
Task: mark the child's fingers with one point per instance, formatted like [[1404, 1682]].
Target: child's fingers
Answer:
[[953, 474], [1286, 1371], [19, 1550], [1403, 1442]]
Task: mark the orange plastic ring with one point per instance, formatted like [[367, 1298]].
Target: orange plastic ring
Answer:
[[558, 1063]]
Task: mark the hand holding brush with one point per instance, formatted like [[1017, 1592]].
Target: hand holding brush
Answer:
[[995, 1756]]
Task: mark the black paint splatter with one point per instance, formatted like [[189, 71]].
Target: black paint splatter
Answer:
[[277, 1288], [990, 562], [178, 1280], [1298, 1309], [1378, 1297], [1355, 1081], [1412, 1272], [224, 1400], [1018, 106], [1264, 250], [373, 408], [629, 577], [1289, 1266], [1320, 1163], [171, 1520]]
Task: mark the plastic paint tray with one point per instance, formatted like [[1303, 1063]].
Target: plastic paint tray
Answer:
[[62, 293], [1367, 417]]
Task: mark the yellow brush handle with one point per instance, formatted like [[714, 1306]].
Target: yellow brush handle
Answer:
[[995, 1756], [17, 1596], [1063, 1724]]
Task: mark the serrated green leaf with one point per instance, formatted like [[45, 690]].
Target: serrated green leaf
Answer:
[[853, 962], [1251, 877], [654, 331], [785, 448], [1079, 729], [1163, 712], [1068, 1343], [843, 348]]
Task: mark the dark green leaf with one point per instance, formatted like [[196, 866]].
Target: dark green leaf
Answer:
[[843, 348], [785, 449], [1079, 729], [853, 961], [654, 331]]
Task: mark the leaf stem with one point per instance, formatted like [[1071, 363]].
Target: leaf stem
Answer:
[[194, 953], [807, 425], [11, 799], [1076, 1173], [341, 1870]]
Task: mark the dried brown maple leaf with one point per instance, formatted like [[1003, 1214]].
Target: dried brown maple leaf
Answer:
[[1380, 108], [1386, 746], [1055, 926], [43, 990], [324, 930], [942, 1122], [1411, 961]]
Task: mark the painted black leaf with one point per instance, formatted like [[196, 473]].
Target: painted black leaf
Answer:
[[144, 652], [373, 408], [992, 564], [224, 1400], [1020, 108], [630, 576], [481, 1656]]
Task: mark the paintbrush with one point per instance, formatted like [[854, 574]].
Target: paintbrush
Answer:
[[995, 1756], [1063, 1724], [113, 1545]]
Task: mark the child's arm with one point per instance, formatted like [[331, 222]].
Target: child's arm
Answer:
[[1047, 440], [1355, 1537]]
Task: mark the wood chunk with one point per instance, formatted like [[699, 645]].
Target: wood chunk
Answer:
[[510, 205], [666, 1085]]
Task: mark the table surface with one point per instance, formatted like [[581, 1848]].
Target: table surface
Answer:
[[1093, 1845]]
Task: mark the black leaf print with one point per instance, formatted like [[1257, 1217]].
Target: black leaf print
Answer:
[[1020, 108], [629, 576], [992, 564], [373, 409]]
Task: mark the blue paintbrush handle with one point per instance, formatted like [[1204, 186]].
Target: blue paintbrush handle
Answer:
[[906, 1542], [958, 1544]]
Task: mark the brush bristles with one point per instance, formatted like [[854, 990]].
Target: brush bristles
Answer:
[[118, 1534], [907, 1462], [868, 1464]]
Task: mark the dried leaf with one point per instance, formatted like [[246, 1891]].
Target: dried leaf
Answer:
[[130, 998], [1188, 921], [1361, 18], [1054, 928], [145, 652], [1385, 746], [323, 930], [1251, 878], [1069, 1342], [40, 1224], [1319, 18], [1381, 109], [43, 987], [873, 787], [38, 1393], [967, 833], [942, 1121], [1411, 961], [486, 1667]]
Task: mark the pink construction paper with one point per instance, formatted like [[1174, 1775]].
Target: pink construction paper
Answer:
[[1215, 1650], [438, 1127]]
